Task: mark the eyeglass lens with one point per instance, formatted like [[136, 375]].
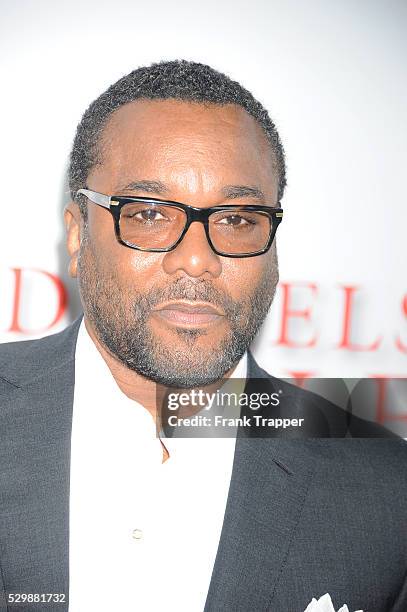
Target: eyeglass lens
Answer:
[[156, 226]]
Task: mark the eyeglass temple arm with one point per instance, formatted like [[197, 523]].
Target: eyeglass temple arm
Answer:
[[97, 198]]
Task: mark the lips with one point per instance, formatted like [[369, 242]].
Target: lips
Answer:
[[189, 314]]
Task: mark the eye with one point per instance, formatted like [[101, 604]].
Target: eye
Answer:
[[150, 214], [146, 215], [236, 220]]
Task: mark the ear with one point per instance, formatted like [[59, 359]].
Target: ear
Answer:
[[73, 224]]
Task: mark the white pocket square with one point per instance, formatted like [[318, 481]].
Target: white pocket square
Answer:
[[324, 604]]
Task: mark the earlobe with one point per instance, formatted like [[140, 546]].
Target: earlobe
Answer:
[[72, 219]]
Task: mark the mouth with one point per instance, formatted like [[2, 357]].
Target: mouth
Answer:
[[189, 314]]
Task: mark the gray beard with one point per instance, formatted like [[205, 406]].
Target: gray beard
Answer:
[[122, 325]]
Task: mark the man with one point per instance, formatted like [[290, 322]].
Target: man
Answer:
[[176, 175]]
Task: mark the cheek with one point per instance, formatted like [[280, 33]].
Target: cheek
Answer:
[[241, 276], [144, 265], [134, 272]]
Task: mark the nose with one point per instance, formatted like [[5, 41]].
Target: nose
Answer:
[[193, 255]]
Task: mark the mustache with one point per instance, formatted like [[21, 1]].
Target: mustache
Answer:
[[202, 291]]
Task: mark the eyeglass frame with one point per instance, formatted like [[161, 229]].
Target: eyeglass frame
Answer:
[[114, 205]]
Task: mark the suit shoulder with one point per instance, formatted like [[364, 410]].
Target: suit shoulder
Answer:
[[377, 460], [24, 360], [326, 404]]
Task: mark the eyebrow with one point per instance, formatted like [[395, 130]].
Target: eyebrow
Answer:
[[148, 186], [232, 192], [229, 192]]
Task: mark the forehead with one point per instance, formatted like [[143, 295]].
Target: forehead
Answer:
[[162, 136]]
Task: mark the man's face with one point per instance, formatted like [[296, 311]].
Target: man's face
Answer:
[[148, 309]]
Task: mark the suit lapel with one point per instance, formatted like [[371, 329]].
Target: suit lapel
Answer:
[[35, 459], [268, 487], [269, 484]]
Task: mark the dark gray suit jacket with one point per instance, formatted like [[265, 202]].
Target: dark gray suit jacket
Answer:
[[303, 517]]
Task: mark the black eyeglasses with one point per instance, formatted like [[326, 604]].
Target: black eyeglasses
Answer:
[[150, 224]]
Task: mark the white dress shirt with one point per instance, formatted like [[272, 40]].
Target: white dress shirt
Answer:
[[143, 534]]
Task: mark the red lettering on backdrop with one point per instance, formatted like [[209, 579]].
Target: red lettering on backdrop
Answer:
[[61, 303], [402, 347], [288, 313], [346, 342], [300, 377], [382, 414]]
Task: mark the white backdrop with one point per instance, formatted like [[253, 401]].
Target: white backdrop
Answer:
[[332, 75]]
